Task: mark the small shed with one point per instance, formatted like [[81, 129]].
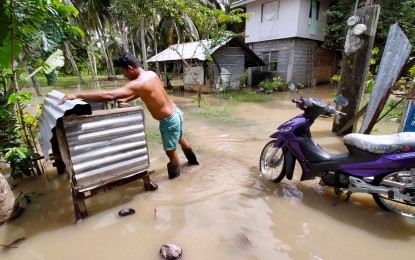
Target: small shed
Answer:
[[215, 65]]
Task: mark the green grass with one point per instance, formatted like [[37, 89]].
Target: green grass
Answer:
[[396, 112], [153, 136], [69, 80], [216, 111], [217, 115], [244, 96]]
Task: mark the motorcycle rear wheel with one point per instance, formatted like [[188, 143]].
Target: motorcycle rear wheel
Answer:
[[271, 162], [399, 206]]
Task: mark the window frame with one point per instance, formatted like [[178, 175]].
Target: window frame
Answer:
[[271, 63]]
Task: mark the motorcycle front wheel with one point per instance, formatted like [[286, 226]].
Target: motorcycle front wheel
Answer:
[[271, 162], [401, 179]]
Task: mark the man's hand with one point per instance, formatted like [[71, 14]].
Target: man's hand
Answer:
[[122, 100], [67, 97]]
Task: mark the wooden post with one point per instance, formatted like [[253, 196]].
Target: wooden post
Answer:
[[355, 65]]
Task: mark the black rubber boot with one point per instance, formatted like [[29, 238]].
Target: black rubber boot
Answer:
[[191, 156], [173, 170]]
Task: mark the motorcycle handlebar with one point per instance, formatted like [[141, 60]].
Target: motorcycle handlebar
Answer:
[[297, 101], [340, 113], [303, 102]]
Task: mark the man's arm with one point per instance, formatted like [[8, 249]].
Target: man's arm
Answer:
[[128, 99], [100, 96]]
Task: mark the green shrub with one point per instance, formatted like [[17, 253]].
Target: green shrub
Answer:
[[276, 84], [243, 77], [334, 80], [279, 83]]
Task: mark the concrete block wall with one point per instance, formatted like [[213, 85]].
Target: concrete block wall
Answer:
[[296, 57]]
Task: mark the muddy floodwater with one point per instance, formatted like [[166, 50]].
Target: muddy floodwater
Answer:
[[221, 209]]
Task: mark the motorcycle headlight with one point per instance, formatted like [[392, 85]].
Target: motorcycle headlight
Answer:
[[286, 129]]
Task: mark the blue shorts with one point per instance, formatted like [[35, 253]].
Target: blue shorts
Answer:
[[171, 129]]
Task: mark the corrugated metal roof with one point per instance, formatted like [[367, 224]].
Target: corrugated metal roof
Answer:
[[241, 3], [51, 112], [190, 50], [106, 146]]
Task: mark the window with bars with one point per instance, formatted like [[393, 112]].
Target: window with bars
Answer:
[[270, 59]]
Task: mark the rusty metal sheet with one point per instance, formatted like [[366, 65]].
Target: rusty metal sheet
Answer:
[[106, 146]]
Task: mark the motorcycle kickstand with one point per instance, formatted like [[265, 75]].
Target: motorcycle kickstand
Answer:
[[339, 193], [349, 193]]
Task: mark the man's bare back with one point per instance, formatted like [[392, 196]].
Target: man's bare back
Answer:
[[150, 89]]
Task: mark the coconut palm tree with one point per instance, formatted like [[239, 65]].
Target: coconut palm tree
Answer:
[[94, 16], [8, 207]]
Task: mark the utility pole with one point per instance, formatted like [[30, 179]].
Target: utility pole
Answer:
[[355, 65]]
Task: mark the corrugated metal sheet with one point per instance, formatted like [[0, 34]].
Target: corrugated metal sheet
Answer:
[[106, 146], [51, 112], [241, 3], [190, 50]]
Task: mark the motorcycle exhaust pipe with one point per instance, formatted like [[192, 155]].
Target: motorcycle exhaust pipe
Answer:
[[358, 185]]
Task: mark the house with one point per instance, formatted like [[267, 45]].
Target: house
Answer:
[[287, 35], [211, 65]]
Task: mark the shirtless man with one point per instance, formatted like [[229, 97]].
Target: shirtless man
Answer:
[[147, 86]]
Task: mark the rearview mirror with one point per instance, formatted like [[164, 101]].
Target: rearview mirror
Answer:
[[292, 86], [341, 100]]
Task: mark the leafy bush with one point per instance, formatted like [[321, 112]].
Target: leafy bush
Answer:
[[369, 84], [396, 112], [13, 134], [279, 83], [243, 77], [267, 85], [334, 80], [20, 160], [276, 84]]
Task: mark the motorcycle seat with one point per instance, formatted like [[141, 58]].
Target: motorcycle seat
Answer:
[[401, 142]]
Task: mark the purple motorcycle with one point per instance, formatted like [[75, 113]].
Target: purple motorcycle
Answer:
[[381, 165]]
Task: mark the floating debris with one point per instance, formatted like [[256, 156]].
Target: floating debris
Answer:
[[126, 212], [170, 251]]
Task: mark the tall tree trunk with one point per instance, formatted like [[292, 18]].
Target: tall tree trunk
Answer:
[[124, 35], [132, 45], [143, 43], [155, 48], [94, 60], [72, 61], [185, 63], [104, 49], [113, 76], [35, 82], [91, 57], [91, 64]]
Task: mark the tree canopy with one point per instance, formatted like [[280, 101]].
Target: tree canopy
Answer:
[[391, 12]]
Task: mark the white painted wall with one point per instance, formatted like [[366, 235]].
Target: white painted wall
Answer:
[[292, 21], [304, 22]]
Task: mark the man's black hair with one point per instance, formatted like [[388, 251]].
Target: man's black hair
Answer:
[[127, 59]]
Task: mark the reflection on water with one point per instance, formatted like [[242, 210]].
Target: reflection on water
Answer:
[[220, 209]]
